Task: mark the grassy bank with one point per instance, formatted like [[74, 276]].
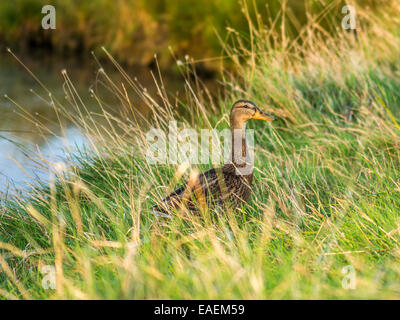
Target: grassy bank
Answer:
[[326, 192]]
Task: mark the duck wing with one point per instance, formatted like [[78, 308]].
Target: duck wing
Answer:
[[202, 186]]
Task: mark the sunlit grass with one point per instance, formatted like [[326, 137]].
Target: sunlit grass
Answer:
[[326, 191]]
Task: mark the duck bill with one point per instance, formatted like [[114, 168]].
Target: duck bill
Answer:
[[261, 115]]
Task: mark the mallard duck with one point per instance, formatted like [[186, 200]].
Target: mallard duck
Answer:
[[229, 184]]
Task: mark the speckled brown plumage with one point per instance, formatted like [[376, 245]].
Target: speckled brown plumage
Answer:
[[210, 189], [224, 185]]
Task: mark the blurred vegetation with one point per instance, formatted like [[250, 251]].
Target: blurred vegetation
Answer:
[[134, 30]]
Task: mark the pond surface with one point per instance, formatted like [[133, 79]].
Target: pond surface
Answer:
[[18, 130]]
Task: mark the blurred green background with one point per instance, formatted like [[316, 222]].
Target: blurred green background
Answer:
[[134, 30]]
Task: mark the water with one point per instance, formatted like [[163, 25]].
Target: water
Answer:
[[17, 133]]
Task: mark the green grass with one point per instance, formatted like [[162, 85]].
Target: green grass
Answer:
[[326, 191]]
